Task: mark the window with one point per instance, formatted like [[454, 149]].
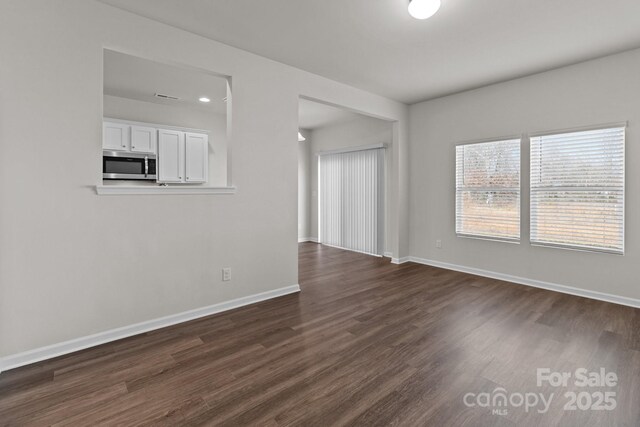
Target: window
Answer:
[[488, 190], [577, 190]]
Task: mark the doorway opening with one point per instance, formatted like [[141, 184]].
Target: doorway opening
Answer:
[[343, 157]]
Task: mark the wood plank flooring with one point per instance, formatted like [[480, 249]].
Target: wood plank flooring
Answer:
[[366, 343]]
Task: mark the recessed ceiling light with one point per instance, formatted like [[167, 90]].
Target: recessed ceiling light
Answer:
[[423, 9], [204, 99], [300, 137]]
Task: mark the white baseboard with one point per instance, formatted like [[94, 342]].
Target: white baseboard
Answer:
[[600, 296], [55, 350], [388, 254], [307, 239], [66, 347]]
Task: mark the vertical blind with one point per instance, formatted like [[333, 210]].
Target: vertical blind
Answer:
[[488, 190], [351, 200], [577, 190]]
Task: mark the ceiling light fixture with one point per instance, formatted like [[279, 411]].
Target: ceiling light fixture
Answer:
[[423, 9], [204, 99], [300, 137]]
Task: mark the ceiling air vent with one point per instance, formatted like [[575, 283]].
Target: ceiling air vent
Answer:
[[164, 96]]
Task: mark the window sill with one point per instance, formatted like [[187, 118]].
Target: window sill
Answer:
[[489, 238], [578, 248], [120, 190]]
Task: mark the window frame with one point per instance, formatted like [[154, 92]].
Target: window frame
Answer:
[[519, 138], [574, 247]]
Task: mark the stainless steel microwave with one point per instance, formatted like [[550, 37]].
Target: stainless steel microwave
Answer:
[[128, 166]]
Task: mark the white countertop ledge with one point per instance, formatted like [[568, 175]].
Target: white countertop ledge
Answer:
[[119, 190]]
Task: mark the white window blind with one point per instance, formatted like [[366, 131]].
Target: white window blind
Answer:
[[488, 190], [351, 200], [577, 190]]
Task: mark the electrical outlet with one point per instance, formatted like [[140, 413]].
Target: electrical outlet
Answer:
[[226, 274], [439, 244]]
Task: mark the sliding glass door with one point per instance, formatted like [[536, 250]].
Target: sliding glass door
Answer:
[[351, 200]]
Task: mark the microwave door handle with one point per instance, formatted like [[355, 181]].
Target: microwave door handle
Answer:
[[146, 166]]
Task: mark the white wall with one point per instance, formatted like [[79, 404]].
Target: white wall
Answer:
[[304, 186], [182, 116], [355, 133], [596, 92], [73, 263]]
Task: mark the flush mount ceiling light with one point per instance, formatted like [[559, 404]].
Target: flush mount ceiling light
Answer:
[[423, 9], [204, 99], [300, 137]]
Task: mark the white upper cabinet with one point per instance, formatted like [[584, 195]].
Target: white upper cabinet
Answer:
[[116, 136], [170, 156], [182, 157], [143, 139], [196, 157]]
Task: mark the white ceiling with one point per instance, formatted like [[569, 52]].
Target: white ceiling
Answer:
[[375, 45], [131, 77], [313, 115]]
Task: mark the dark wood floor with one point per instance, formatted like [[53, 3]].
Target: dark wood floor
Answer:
[[366, 343]]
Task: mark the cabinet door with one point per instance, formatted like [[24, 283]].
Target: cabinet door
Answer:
[[170, 162], [197, 157], [143, 139], [115, 136]]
